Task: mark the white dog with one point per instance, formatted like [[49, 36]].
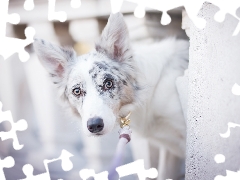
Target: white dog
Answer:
[[113, 80]]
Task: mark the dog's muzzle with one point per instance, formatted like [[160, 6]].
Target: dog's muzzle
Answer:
[[95, 124]]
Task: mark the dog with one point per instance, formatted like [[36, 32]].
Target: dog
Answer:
[[114, 79]]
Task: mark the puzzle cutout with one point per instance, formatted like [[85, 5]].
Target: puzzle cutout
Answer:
[[66, 166], [230, 176], [6, 44], [236, 89], [9, 46], [192, 8], [21, 125], [87, 173], [220, 158], [7, 162], [136, 167]]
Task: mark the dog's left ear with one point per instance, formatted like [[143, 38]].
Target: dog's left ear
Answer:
[[114, 41]]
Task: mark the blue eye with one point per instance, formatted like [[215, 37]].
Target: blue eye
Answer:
[[77, 91], [108, 84]]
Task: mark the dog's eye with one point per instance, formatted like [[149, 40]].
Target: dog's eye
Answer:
[[77, 91], [108, 84]]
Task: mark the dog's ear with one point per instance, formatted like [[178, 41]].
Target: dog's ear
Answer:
[[114, 41], [54, 58]]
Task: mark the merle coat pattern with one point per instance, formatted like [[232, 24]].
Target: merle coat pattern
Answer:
[[113, 79]]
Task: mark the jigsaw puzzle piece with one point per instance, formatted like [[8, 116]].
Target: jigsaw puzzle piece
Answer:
[[75, 3], [139, 11], [67, 164], [237, 29], [87, 173], [5, 17], [166, 19], [56, 171], [8, 46], [13, 18], [230, 175], [20, 125], [219, 158], [230, 125], [28, 171], [7, 162], [137, 167], [236, 88], [220, 16], [192, 8], [28, 5], [224, 8], [52, 15]]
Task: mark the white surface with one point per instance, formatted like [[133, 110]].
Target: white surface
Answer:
[[213, 69]]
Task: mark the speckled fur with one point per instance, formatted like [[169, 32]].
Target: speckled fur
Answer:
[[143, 82]]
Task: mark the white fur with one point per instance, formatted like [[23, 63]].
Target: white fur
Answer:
[[160, 118], [160, 64], [145, 84], [93, 105]]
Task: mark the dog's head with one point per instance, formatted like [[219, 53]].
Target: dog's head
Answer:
[[98, 85]]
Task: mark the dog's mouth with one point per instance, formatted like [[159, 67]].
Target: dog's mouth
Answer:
[[95, 135], [98, 134]]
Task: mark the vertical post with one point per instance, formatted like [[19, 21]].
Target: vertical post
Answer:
[[214, 67]]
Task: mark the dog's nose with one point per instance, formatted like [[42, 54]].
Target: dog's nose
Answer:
[[95, 125]]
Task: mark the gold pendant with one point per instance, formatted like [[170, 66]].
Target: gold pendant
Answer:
[[125, 121]]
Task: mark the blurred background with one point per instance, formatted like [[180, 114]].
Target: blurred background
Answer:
[[26, 90]]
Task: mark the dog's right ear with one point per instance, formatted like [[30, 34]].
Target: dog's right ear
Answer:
[[114, 41], [54, 58]]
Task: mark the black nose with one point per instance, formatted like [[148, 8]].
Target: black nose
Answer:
[[95, 124]]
